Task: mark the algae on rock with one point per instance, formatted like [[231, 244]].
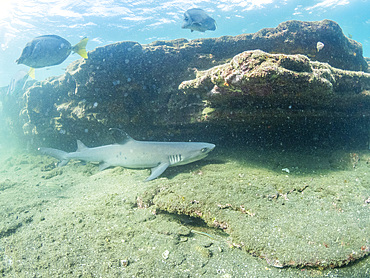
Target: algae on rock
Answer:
[[135, 87], [256, 83], [297, 219]]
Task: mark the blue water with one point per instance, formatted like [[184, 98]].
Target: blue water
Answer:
[[105, 22]]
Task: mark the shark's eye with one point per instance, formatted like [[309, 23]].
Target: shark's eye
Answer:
[[204, 150]]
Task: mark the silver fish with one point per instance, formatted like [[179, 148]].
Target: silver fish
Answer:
[[49, 50], [136, 154], [197, 20], [319, 46]]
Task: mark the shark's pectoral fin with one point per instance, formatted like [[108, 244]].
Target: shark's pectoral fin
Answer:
[[103, 166], [156, 171], [62, 162]]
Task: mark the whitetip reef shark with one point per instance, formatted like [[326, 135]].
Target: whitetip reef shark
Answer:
[[157, 156]]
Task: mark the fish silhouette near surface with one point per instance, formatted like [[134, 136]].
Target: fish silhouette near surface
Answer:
[[50, 50], [197, 20], [157, 156], [17, 82]]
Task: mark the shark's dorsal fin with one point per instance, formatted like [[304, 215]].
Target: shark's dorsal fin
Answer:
[[125, 135], [156, 171], [126, 139], [80, 146]]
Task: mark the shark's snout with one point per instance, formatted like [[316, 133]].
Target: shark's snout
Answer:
[[208, 148]]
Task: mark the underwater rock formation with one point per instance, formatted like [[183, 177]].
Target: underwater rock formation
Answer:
[[298, 37], [288, 220], [256, 86], [135, 87]]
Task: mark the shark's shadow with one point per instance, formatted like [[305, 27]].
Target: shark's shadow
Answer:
[[194, 168]]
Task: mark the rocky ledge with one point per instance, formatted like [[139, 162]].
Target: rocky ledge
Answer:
[[136, 87], [256, 86]]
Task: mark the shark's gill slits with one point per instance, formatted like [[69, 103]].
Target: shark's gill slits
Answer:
[[175, 158]]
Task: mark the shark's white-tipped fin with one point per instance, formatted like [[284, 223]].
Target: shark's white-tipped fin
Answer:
[[156, 171], [124, 134], [80, 146], [58, 154], [63, 162], [103, 166]]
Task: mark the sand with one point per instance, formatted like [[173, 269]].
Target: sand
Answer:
[[248, 216]]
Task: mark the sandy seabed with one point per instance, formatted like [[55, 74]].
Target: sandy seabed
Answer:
[[75, 221]]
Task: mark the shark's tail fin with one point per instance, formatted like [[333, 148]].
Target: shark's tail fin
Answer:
[[61, 155]]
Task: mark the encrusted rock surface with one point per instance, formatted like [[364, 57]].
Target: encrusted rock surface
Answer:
[[135, 87], [310, 216], [256, 85]]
